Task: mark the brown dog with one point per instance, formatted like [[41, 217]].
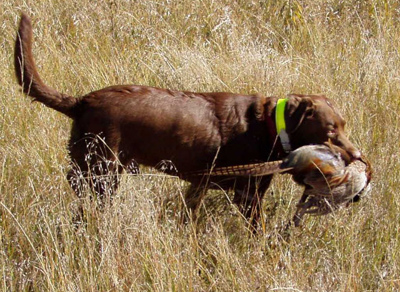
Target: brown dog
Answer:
[[117, 125]]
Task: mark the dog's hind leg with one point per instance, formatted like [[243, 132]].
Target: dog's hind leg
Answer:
[[77, 181], [104, 177], [95, 167], [102, 180]]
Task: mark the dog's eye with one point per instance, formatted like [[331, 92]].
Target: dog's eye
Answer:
[[309, 113]]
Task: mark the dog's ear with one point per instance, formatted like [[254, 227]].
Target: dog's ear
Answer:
[[269, 106], [257, 108], [298, 107]]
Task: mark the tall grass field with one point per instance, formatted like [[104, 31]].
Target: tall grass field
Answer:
[[347, 50]]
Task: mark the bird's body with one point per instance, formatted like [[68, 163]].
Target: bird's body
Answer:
[[330, 177]]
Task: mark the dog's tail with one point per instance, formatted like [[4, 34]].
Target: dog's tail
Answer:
[[29, 79]]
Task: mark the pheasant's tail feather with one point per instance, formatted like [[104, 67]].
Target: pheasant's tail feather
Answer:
[[254, 169]]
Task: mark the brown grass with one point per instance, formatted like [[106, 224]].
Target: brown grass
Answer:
[[347, 50]]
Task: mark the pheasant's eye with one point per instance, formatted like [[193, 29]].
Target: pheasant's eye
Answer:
[[332, 133]]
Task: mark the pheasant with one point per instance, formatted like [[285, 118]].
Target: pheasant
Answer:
[[331, 178]]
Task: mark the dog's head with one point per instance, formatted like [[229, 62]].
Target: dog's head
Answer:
[[313, 119]]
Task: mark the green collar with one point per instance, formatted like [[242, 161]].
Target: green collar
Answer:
[[281, 124]]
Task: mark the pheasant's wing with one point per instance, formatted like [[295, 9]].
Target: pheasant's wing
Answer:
[[322, 176], [339, 179]]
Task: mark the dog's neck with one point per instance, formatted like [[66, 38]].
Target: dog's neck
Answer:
[[270, 119], [281, 124]]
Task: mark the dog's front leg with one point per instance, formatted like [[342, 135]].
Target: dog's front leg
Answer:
[[193, 197], [249, 193]]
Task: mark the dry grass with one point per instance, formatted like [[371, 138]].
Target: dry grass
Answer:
[[345, 49]]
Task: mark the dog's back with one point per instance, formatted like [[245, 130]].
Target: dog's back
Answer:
[[153, 124]]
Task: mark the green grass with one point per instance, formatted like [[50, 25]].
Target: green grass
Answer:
[[348, 50]]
